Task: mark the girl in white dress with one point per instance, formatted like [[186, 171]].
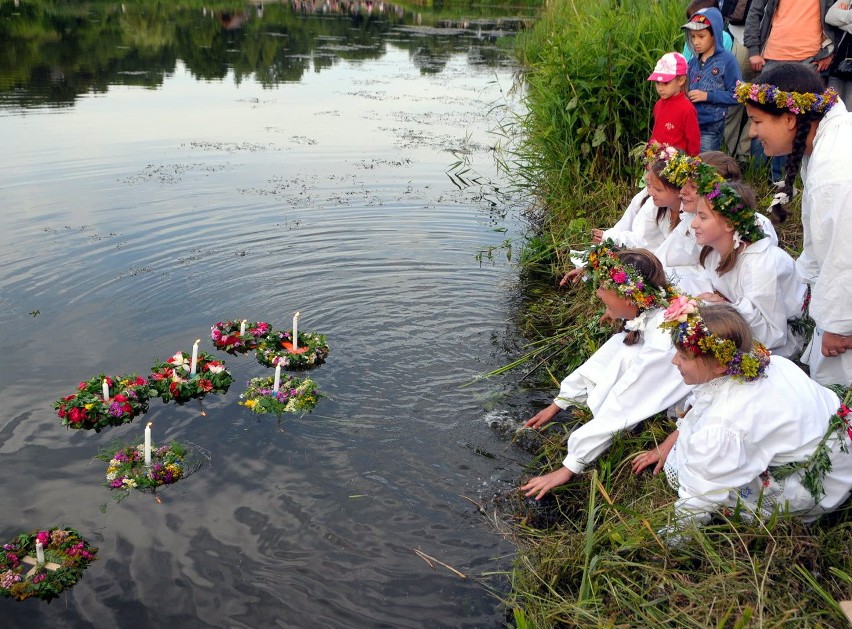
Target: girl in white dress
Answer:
[[744, 268], [631, 377], [755, 427]]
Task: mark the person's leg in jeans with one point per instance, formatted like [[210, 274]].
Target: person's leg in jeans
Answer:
[[711, 135]]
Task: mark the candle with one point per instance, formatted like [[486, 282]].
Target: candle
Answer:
[[39, 552], [148, 445], [243, 327], [277, 384], [106, 391], [194, 363], [296, 331]]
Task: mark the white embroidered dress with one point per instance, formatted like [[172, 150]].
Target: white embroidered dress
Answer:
[[622, 385], [765, 290], [825, 261], [736, 432]]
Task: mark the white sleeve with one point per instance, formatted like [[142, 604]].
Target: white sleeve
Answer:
[[626, 220], [643, 227], [831, 233], [841, 18], [765, 302], [712, 462], [651, 384]]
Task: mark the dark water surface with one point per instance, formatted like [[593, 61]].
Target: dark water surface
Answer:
[[150, 189]]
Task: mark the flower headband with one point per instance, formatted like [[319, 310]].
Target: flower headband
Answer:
[[728, 203], [682, 168], [794, 102], [683, 319], [656, 151], [609, 272]]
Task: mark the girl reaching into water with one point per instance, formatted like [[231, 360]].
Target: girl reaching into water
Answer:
[[631, 377], [754, 425]]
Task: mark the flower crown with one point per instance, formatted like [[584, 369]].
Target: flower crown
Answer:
[[608, 271], [656, 151], [794, 102], [682, 168], [683, 319], [728, 203]]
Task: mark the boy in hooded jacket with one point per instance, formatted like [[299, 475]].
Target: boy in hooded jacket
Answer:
[[713, 74]]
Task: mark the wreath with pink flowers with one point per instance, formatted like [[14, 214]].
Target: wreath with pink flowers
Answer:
[[88, 409], [171, 379], [65, 556], [227, 335]]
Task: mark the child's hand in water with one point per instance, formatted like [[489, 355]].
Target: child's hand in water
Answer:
[[540, 485], [542, 417]]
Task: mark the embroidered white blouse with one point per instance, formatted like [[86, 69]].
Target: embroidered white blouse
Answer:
[[622, 385], [736, 431]]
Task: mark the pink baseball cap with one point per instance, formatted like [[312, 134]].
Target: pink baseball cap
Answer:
[[670, 65]]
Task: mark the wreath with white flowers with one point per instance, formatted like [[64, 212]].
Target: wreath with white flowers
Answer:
[[88, 409], [294, 395], [66, 556], [226, 335], [170, 380], [276, 348]]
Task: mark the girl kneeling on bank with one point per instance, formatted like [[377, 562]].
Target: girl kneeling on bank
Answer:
[[631, 377], [753, 426]]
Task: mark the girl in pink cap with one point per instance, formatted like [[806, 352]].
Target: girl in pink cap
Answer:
[[675, 119]]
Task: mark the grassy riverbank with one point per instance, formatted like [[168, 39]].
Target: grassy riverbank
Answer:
[[590, 555]]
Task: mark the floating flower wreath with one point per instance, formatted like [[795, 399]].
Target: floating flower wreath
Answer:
[[794, 102], [126, 469], [608, 271], [172, 382], [66, 555], [683, 319], [226, 335], [294, 395], [87, 409], [276, 348]]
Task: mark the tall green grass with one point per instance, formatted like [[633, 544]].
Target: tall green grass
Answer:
[[589, 554]]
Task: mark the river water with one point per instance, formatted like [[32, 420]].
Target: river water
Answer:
[[162, 172]]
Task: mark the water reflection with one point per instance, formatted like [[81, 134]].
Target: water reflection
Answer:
[[53, 51]]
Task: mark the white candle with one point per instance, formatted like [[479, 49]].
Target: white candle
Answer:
[[296, 331], [106, 391], [243, 327], [39, 552], [194, 362], [148, 445], [277, 384]]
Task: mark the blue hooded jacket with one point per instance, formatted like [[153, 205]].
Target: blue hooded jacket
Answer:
[[717, 76]]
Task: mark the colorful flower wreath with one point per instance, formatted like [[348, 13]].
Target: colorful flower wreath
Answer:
[[276, 348], [66, 555], [683, 319], [87, 409], [294, 395], [126, 469], [655, 151], [606, 269], [795, 102], [682, 168], [171, 381], [728, 203], [226, 335]]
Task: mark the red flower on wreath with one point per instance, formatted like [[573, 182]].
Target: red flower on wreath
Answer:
[[77, 415], [205, 385]]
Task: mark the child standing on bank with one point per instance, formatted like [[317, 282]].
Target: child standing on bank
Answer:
[[675, 118], [713, 75]]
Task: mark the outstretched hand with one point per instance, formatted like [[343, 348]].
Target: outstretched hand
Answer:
[[656, 457], [540, 485], [542, 417], [573, 276]]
